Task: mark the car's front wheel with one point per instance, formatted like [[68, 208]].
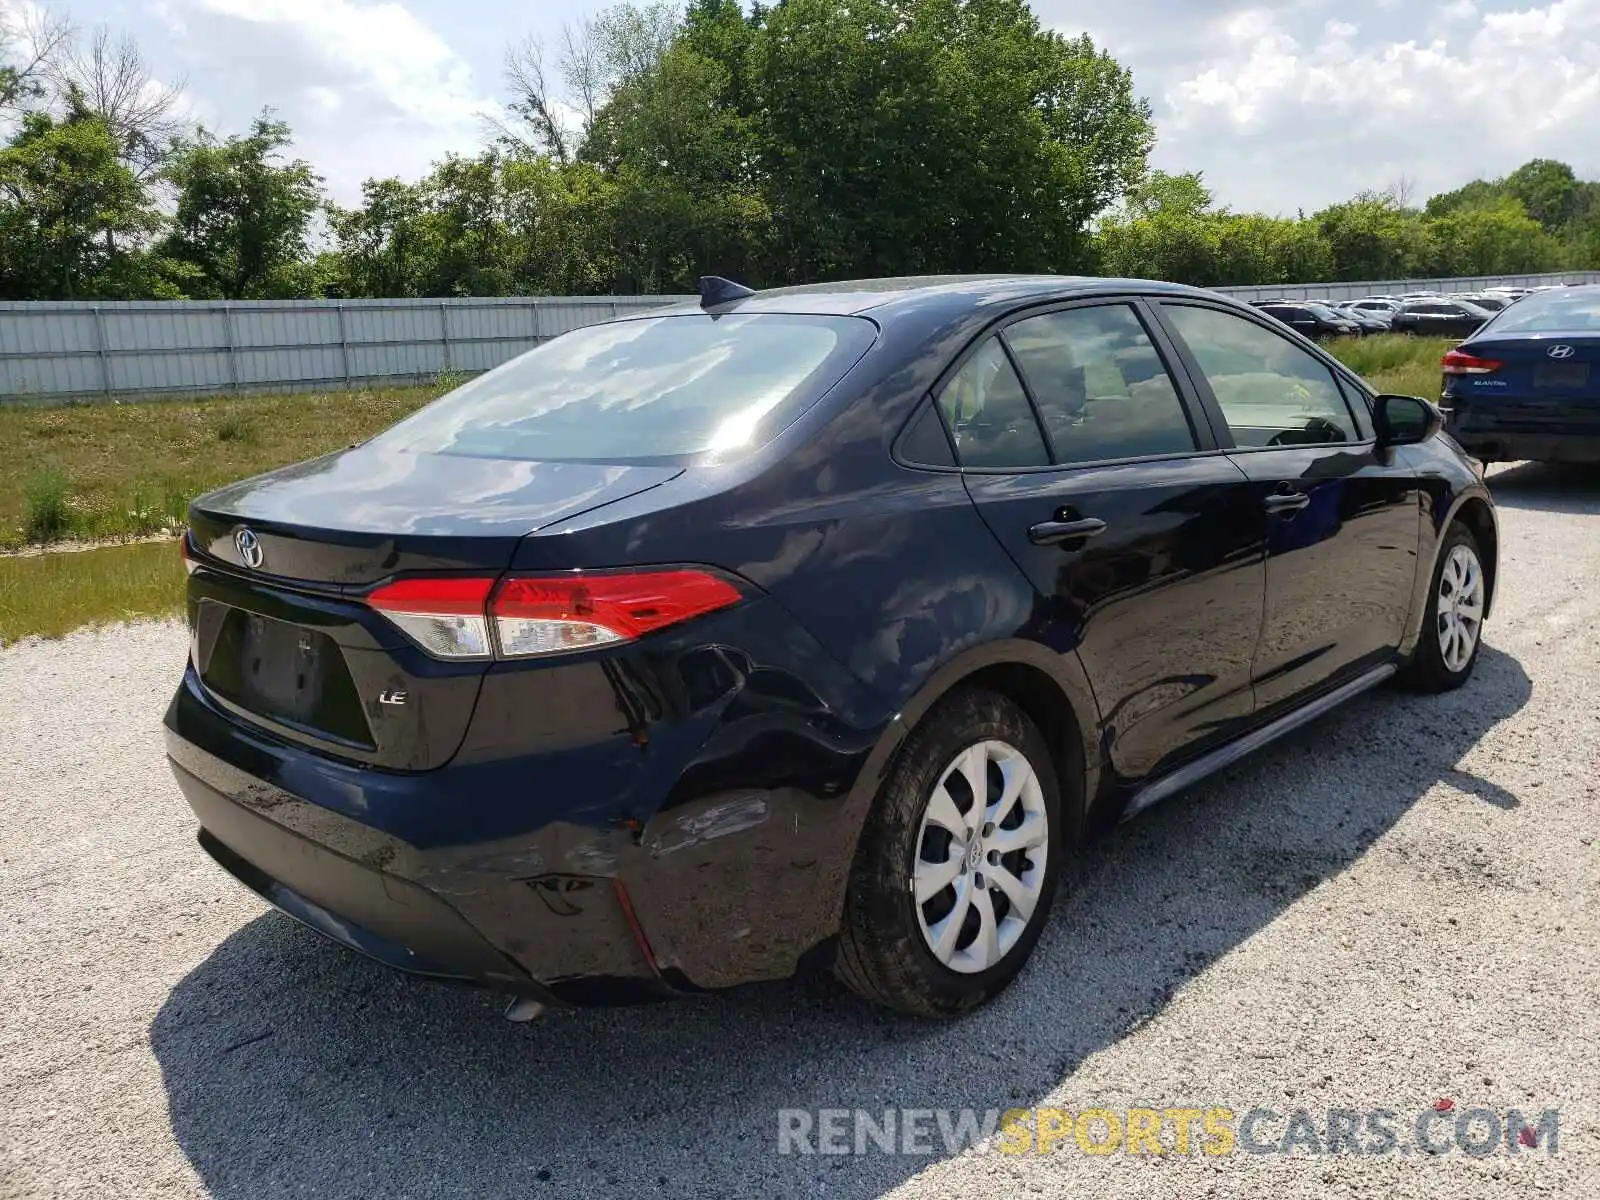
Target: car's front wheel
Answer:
[[1452, 630], [958, 863]]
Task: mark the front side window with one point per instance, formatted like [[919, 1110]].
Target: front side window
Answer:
[[1271, 392], [651, 388], [989, 415], [1101, 388]]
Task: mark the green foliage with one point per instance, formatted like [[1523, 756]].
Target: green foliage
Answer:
[[1169, 230], [234, 426], [783, 143], [1389, 352], [1494, 239], [242, 214], [71, 215], [45, 515], [47, 595], [937, 135]]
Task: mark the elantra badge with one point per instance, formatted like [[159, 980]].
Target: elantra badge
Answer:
[[1559, 352], [249, 547]]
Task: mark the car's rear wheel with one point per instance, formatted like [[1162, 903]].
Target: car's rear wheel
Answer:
[[1452, 630], [957, 866]]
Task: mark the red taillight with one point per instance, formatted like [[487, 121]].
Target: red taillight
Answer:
[[447, 616], [186, 552], [1457, 362], [451, 617], [572, 612]]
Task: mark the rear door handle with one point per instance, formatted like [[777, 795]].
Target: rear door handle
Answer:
[[1048, 533], [1285, 502]]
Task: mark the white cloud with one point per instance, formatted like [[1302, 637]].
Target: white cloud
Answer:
[[369, 89], [1282, 121]]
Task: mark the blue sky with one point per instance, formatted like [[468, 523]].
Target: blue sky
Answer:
[[1284, 104]]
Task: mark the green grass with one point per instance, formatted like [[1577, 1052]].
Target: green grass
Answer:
[[104, 471], [44, 498], [53, 594], [1391, 363]]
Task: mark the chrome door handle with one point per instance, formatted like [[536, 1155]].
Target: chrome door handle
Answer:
[[1286, 502], [1048, 533]]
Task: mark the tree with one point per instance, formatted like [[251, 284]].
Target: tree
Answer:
[[1471, 195], [1499, 239], [1162, 194], [71, 215], [30, 43], [903, 136], [243, 214], [597, 56], [1546, 189], [110, 78], [387, 246], [466, 202], [1374, 237], [680, 161]]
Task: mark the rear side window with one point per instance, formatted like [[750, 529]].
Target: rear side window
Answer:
[[1271, 392], [1101, 388], [657, 387], [989, 415], [924, 442]]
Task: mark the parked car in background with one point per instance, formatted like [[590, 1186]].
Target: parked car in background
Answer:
[[818, 624], [1383, 307], [1439, 318], [1312, 319], [1483, 300], [1527, 384], [1371, 320]]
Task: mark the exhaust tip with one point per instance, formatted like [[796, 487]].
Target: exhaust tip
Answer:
[[524, 1009]]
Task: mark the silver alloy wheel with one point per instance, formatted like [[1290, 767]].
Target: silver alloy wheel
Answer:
[[980, 857], [1460, 607]]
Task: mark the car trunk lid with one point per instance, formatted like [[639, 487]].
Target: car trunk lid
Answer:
[[1547, 369], [281, 567]]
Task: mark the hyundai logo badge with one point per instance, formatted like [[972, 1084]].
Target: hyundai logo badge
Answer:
[[249, 547], [1559, 352]]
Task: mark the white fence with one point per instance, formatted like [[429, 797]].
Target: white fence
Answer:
[[61, 350], [66, 350]]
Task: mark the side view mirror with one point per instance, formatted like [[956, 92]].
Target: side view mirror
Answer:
[[1405, 420]]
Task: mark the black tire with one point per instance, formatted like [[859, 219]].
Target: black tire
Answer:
[[1428, 671], [883, 955]]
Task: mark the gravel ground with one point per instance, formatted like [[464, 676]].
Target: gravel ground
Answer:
[[1394, 906]]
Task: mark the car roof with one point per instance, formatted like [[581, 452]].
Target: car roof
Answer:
[[852, 297]]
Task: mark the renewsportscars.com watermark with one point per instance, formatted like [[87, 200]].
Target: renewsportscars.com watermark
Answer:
[[1442, 1128]]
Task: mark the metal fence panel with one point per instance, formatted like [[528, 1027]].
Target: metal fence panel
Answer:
[[64, 350]]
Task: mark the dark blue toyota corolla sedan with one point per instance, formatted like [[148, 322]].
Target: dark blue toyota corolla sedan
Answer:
[[819, 624]]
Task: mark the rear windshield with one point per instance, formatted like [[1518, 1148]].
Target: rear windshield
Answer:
[[652, 388], [1551, 312]]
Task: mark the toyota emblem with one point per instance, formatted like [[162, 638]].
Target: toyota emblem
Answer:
[[249, 547], [1559, 352]]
